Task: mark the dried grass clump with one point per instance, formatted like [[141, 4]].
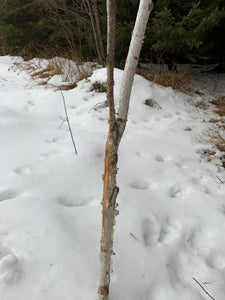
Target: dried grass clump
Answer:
[[43, 70], [179, 81], [220, 105], [53, 68], [99, 87], [216, 140]]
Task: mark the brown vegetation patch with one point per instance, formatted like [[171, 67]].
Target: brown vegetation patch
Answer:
[[198, 93], [51, 70], [69, 86], [202, 105], [99, 87], [218, 151], [214, 120], [220, 105], [178, 80]]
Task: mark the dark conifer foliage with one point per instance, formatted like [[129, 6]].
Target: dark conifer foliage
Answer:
[[177, 29]]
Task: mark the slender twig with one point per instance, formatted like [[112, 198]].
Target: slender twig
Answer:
[[220, 179], [99, 104], [68, 122], [203, 288], [63, 121], [133, 236]]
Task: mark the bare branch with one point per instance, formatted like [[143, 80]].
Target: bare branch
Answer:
[[219, 179], [203, 288], [68, 122]]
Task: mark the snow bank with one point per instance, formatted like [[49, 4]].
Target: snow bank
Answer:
[[172, 207]]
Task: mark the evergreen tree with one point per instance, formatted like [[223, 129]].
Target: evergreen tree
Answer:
[[183, 27]]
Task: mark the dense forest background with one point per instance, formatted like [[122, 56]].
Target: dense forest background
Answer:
[[178, 30]]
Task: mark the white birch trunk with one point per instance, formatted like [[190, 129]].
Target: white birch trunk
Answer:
[[116, 129], [144, 10]]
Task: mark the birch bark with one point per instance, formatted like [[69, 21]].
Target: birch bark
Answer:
[[117, 126], [145, 7]]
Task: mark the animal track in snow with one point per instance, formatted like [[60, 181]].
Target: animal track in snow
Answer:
[[154, 233], [72, 107], [7, 194], [9, 266], [49, 155], [216, 261], [69, 203], [175, 190], [151, 231], [23, 170], [169, 232], [139, 185], [159, 158]]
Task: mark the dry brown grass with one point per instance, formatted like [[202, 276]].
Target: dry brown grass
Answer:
[[99, 87], [201, 105], [53, 68], [179, 81], [71, 72], [214, 120], [220, 105], [218, 142]]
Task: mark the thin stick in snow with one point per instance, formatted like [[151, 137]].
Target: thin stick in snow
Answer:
[[203, 288], [220, 179], [68, 122]]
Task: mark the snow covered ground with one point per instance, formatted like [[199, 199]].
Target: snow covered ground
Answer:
[[171, 224]]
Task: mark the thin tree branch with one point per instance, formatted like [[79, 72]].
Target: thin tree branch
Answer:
[[203, 288], [220, 179], [111, 6], [68, 122]]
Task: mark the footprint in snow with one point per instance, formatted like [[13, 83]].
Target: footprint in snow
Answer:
[[175, 190], [9, 266], [49, 155], [151, 231], [28, 106], [216, 261], [159, 158], [25, 170], [155, 233], [139, 185], [70, 203], [72, 107], [170, 231], [7, 194], [30, 102]]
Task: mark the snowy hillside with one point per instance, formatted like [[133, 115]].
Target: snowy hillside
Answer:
[[171, 222]]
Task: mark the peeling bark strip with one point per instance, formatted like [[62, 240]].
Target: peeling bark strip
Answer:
[[116, 129]]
